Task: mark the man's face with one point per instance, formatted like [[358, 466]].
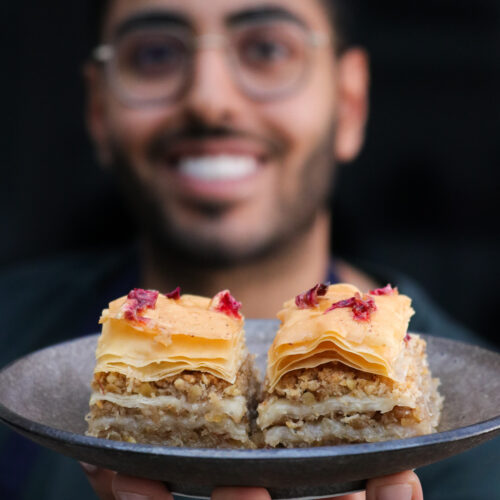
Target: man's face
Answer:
[[223, 171]]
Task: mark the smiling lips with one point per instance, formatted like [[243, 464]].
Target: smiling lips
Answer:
[[216, 170]]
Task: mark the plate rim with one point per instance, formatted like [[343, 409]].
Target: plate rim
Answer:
[[20, 423]]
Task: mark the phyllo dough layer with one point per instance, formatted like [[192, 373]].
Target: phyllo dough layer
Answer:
[[320, 398], [174, 371]]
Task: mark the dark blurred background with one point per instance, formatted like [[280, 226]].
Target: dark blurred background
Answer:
[[422, 197]]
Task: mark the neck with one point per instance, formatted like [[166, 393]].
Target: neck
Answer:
[[262, 286]]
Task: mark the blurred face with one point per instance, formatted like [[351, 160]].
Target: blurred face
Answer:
[[223, 119]]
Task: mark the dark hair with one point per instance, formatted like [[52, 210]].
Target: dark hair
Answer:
[[342, 13], [97, 10], [344, 17]]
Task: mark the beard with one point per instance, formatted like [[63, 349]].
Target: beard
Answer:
[[293, 215]]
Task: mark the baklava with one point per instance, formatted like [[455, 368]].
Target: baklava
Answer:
[[343, 369], [173, 370]]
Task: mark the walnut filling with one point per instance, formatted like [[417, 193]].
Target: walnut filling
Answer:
[[190, 409], [160, 430], [368, 427], [190, 384], [156, 425], [336, 379]]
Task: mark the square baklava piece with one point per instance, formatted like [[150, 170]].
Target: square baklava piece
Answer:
[[173, 370], [343, 369]]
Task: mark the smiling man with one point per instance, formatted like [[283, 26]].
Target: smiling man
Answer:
[[223, 121]]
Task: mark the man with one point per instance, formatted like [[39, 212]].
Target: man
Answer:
[[228, 175], [222, 121]]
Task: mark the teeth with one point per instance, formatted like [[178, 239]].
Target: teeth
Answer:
[[216, 168]]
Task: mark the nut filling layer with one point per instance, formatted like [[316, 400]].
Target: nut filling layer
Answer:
[[191, 409]]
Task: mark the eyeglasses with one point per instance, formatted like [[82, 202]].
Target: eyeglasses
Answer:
[[156, 64]]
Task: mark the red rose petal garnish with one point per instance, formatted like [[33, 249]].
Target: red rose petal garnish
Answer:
[[407, 338], [176, 294], [225, 303], [137, 301], [387, 290], [361, 307], [310, 298]]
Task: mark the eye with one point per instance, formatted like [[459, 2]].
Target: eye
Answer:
[[273, 48], [152, 56], [265, 51]]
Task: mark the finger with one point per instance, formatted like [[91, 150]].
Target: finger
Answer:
[[133, 488], [352, 496], [240, 494], [100, 480], [402, 486]]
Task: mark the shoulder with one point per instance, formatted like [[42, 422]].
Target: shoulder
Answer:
[[429, 317], [47, 301]]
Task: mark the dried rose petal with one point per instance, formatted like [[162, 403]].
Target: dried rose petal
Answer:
[[387, 290], [176, 294], [310, 298], [361, 307], [137, 301], [225, 303], [407, 338]]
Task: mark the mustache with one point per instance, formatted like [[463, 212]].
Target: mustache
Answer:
[[198, 131]]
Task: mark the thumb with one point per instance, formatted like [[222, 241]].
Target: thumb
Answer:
[[402, 486], [133, 488], [100, 480]]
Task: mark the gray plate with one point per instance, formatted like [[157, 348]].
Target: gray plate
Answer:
[[44, 396]]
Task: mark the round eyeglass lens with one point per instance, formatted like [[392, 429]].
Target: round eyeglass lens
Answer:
[[271, 59], [151, 65]]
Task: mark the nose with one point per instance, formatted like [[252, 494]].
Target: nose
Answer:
[[213, 96]]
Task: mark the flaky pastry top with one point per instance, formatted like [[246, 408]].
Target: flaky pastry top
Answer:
[[168, 336], [327, 328]]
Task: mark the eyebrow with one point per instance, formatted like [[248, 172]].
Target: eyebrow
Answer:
[[166, 17], [151, 18], [264, 13]]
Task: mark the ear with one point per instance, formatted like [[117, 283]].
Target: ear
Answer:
[[95, 112], [353, 87]]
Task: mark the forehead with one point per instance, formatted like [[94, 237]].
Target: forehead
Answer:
[[202, 15]]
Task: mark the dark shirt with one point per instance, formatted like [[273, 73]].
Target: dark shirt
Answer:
[[48, 302]]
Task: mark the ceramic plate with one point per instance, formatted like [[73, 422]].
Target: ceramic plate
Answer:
[[44, 396]]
